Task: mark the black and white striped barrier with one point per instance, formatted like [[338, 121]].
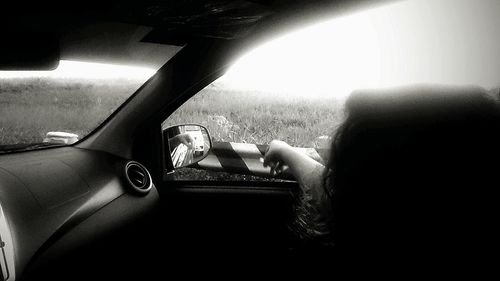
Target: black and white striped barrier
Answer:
[[245, 158]]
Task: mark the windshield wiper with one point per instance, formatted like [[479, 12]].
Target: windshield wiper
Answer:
[[26, 146]]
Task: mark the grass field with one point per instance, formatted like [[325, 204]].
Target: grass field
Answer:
[[259, 118], [31, 107]]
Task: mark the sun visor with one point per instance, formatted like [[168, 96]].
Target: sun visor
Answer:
[[28, 50], [114, 43]]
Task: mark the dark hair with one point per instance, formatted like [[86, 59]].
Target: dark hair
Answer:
[[414, 171]]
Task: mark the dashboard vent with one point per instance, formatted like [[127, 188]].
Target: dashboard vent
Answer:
[[138, 177]]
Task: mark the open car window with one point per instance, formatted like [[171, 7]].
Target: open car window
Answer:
[[293, 87], [242, 123]]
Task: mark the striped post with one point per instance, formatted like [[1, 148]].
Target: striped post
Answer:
[[245, 158]]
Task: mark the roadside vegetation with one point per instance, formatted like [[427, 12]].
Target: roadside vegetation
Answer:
[[258, 118], [31, 107]]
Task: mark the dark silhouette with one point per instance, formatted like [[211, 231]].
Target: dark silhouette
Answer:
[[415, 173], [412, 173]]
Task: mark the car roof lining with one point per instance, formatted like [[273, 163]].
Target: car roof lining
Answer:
[[121, 32]]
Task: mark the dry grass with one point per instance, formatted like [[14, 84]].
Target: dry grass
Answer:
[[259, 117], [31, 107]]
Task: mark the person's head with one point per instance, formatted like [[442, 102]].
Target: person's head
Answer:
[[414, 170]]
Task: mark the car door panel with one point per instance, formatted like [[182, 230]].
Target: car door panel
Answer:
[[236, 218]]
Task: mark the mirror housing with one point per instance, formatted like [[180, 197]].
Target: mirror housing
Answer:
[[187, 144]]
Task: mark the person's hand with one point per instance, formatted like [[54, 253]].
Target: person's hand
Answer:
[[185, 139], [274, 157]]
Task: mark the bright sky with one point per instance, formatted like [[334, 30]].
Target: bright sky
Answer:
[[86, 70], [415, 41], [407, 42]]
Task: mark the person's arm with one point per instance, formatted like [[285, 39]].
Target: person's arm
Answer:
[[313, 210], [185, 139], [281, 156]]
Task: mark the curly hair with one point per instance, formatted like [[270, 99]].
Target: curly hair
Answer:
[[414, 171]]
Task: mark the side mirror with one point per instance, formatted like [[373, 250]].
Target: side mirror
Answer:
[[188, 144]]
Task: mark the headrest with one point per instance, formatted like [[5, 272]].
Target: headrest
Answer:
[[418, 102]]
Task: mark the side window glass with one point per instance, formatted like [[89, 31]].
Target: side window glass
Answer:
[[248, 121]]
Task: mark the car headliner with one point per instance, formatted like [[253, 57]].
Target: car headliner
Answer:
[[119, 32]]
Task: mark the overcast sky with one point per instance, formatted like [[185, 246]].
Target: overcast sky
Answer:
[[415, 41], [86, 70]]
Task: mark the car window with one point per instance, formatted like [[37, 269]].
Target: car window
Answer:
[[293, 87], [60, 107], [255, 118]]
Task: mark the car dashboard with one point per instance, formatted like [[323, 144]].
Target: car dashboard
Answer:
[[53, 201]]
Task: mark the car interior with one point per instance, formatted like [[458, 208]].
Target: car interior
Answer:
[[105, 205]]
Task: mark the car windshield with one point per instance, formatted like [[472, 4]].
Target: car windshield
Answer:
[[60, 107]]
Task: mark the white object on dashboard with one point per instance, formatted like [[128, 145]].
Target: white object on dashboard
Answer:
[[60, 137]]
